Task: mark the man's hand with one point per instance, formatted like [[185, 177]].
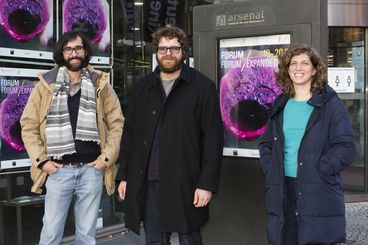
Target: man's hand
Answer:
[[51, 167], [98, 164], [122, 189], [201, 198]]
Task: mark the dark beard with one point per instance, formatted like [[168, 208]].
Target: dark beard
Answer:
[[75, 67], [173, 69]]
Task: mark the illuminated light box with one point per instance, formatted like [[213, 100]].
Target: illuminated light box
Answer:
[[27, 29], [15, 87], [248, 89], [92, 17]]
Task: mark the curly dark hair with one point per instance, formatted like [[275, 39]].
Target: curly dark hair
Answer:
[[170, 32], [67, 37], [319, 79]]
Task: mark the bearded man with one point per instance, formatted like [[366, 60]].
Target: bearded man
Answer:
[[171, 149], [71, 128]]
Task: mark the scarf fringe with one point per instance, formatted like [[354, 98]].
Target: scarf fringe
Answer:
[[60, 156]]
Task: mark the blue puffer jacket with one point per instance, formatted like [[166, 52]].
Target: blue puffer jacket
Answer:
[[326, 149]]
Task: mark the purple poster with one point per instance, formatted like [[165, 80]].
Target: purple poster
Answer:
[[15, 87], [27, 28], [246, 71], [93, 18]]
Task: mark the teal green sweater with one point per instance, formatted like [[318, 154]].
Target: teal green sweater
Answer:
[[296, 115]]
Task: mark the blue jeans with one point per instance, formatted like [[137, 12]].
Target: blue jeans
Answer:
[[86, 184], [151, 222]]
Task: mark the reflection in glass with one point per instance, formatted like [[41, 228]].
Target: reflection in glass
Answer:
[[346, 49]]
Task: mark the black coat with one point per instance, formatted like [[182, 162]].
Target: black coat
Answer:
[[327, 148], [190, 148]]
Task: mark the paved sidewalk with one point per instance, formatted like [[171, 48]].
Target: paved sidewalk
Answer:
[[125, 238], [129, 238], [357, 223], [356, 217]]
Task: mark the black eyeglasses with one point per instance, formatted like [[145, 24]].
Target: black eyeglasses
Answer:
[[77, 49], [173, 49]]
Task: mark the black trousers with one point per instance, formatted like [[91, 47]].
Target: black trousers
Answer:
[[151, 222]]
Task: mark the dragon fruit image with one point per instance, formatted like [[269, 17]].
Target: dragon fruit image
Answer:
[[11, 109], [246, 96], [87, 16], [24, 19]]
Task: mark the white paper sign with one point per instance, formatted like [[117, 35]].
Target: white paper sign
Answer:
[[342, 79]]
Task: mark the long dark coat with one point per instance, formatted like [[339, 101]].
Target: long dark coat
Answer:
[[327, 148], [190, 148]]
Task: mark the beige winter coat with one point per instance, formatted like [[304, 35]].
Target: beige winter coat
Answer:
[[110, 122]]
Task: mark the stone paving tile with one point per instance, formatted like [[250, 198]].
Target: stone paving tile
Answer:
[[130, 238], [356, 218], [357, 223]]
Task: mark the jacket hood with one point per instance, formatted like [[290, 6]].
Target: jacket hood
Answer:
[[318, 98]]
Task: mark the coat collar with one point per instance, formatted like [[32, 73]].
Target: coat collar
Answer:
[[318, 98], [184, 76], [49, 77]]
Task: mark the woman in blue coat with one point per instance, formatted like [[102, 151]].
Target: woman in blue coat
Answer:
[[308, 142]]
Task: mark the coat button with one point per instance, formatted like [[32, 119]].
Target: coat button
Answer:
[[296, 213], [154, 112], [300, 193], [145, 142], [301, 164], [275, 138]]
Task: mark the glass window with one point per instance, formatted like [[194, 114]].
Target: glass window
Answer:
[[346, 49], [133, 57]]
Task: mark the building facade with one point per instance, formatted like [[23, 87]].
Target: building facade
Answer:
[[122, 43]]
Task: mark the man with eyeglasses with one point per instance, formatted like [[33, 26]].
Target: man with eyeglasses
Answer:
[[71, 128], [171, 149]]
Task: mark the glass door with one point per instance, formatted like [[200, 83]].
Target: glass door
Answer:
[[347, 49]]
